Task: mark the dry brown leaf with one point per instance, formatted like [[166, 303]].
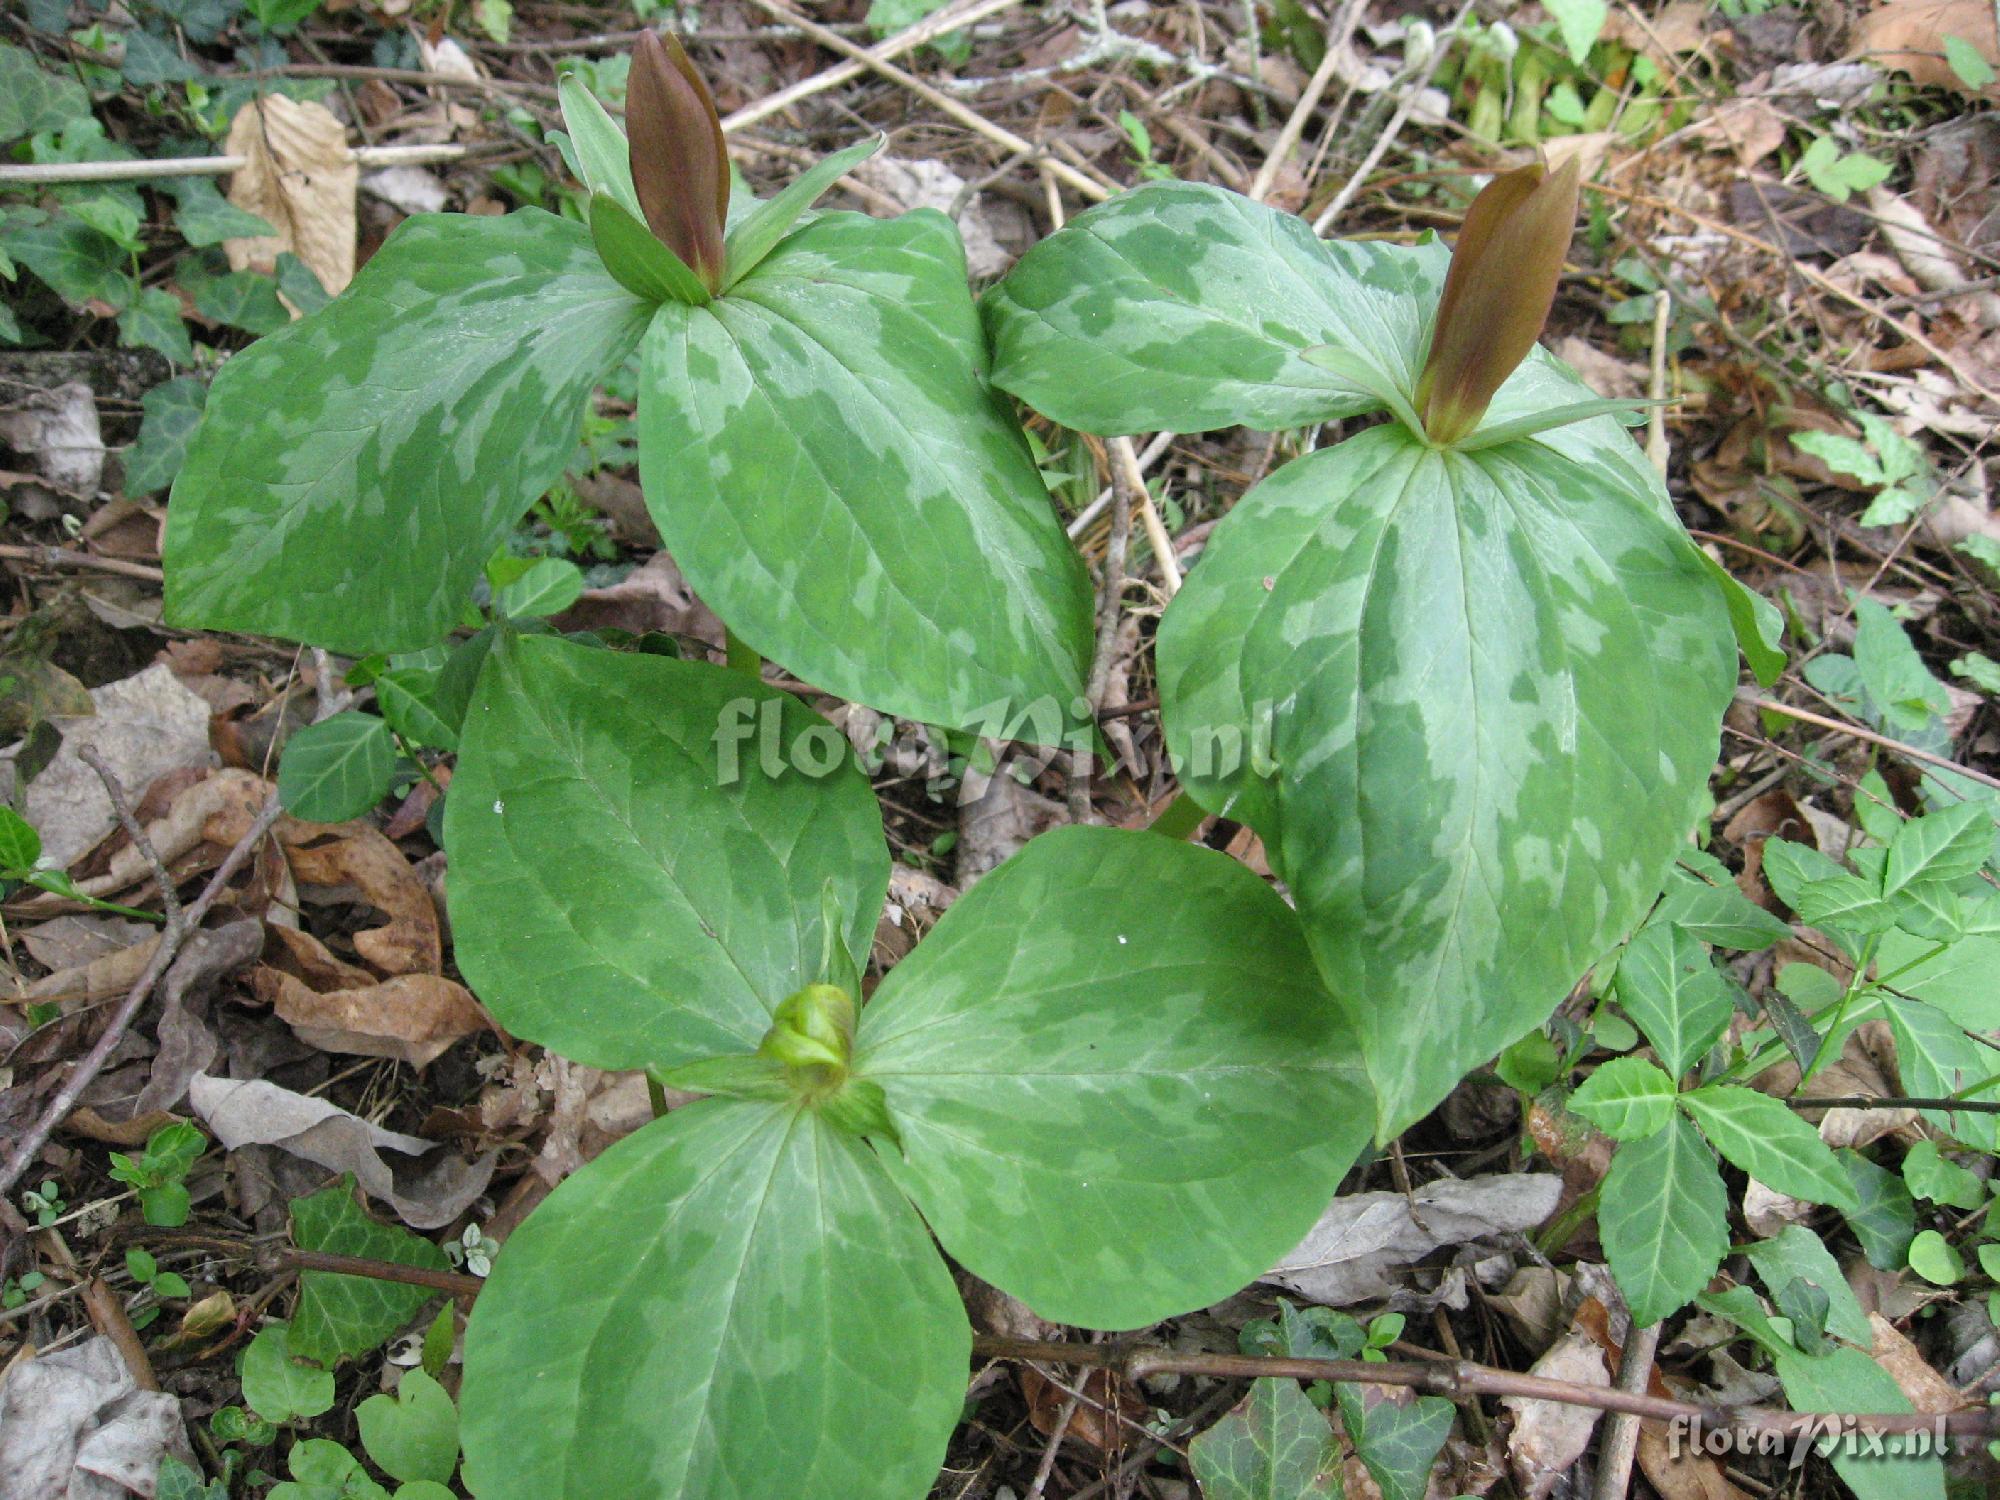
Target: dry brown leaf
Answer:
[[1908, 35], [217, 810], [1549, 1436], [1678, 1473], [1106, 1396], [300, 179], [1927, 1390], [412, 1018], [362, 861]]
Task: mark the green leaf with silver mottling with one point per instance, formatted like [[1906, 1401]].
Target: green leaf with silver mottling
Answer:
[[733, 1303], [1272, 1445], [549, 587], [760, 230], [34, 98], [1413, 672], [172, 411], [1627, 1098], [1663, 1217], [592, 786], [1797, 1252], [1396, 1435], [341, 1317], [1772, 1144], [1171, 1067], [78, 264], [1673, 992], [1186, 307], [337, 769], [830, 470], [1937, 1059], [242, 299], [357, 468]]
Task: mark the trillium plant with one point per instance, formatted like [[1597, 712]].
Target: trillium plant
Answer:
[[1463, 670]]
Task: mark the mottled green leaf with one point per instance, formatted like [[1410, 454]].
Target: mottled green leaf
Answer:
[[631, 884], [1435, 658], [1664, 1219], [1770, 1142], [358, 467], [412, 1435], [1396, 1436], [150, 59], [734, 1302], [1626, 1098], [172, 410], [1169, 1066], [35, 96], [337, 769], [340, 1317], [242, 299], [204, 217], [153, 321], [1673, 992], [1273, 1445], [79, 264], [1797, 1252], [1187, 307], [300, 285], [770, 221], [831, 472]]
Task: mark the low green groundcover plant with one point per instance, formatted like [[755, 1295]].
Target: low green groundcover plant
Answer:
[[1464, 671]]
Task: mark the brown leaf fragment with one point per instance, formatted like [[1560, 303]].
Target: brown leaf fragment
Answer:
[[361, 864], [1548, 1436], [412, 1017], [300, 179]]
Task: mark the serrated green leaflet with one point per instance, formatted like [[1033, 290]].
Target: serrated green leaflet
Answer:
[[732, 1304], [339, 1317], [1703, 900], [1434, 656], [1962, 980], [337, 769], [1772, 1144], [1672, 991], [831, 472], [1185, 307], [549, 587], [355, 470], [1945, 846], [1664, 1219], [1937, 1059], [20, 844], [1171, 1066], [629, 886], [1273, 1445], [1627, 1098], [408, 698]]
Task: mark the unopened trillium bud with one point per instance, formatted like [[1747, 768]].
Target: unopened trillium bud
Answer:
[[1497, 295], [680, 167], [812, 1034]]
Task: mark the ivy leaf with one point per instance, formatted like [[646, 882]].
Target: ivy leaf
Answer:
[[34, 98], [337, 769], [1672, 991], [735, 1300], [1273, 1445], [729, 861], [1904, 692], [1174, 1068], [341, 1317], [1771, 1143], [829, 469], [151, 59], [153, 321], [79, 264], [1185, 307], [1663, 1216], [172, 410], [1396, 1439], [359, 466], [1627, 1098], [1382, 664], [204, 217], [1886, 1221], [242, 299]]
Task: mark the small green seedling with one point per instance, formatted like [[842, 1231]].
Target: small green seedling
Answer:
[[160, 1172], [44, 1204]]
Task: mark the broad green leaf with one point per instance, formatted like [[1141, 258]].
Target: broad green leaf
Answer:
[[1936, 1179], [641, 263], [831, 472], [1664, 1219], [1186, 307], [243, 299], [1673, 992], [322, 1469], [1702, 898], [1169, 1066], [172, 411], [300, 285], [1797, 1251], [176, 1481], [357, 468], [277, 1384], [1822, 892], [1580, 22], [592, 787], [1758, 623], [20, 844], [408, 698], [412, 1435], [547, 588], [1413, 672], [153, 321], [1942, 846], [1771, 1143], [1849, 1380], [204, 217], [1272, 1445], [151, 59], [1626, 1098], [78, 264], [1905, 693], [758, 234], [1937, 1059], [1396, 1437], [1968, 64], [1886, 1221], [735, 1301], [602, 153], [34, 97], [341, 1317], [337, 769], [1934, 1258]]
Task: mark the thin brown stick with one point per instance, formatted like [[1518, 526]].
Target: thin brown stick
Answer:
[[1620, 1444], [1462, 1381], [107, 1314], [121, 805], [164, 953], [451, 1282], [1855, 731], [65, 557]]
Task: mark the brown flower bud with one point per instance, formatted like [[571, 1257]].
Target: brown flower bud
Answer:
[[1497, 294], [680, 167]]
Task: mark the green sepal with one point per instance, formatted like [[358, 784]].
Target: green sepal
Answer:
[[602, 158], [758, 233], [640, 262], [1552, 418]]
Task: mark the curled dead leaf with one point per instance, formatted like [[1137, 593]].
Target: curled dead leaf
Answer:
[[300, 179]]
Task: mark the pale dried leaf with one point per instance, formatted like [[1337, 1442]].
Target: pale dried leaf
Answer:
[[412, 1018], [363, 865], [300, 179], [74, 1423], [1548, 1436], [1908, 35]]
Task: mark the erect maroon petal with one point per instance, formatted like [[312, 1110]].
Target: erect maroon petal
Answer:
[[680, 167]]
